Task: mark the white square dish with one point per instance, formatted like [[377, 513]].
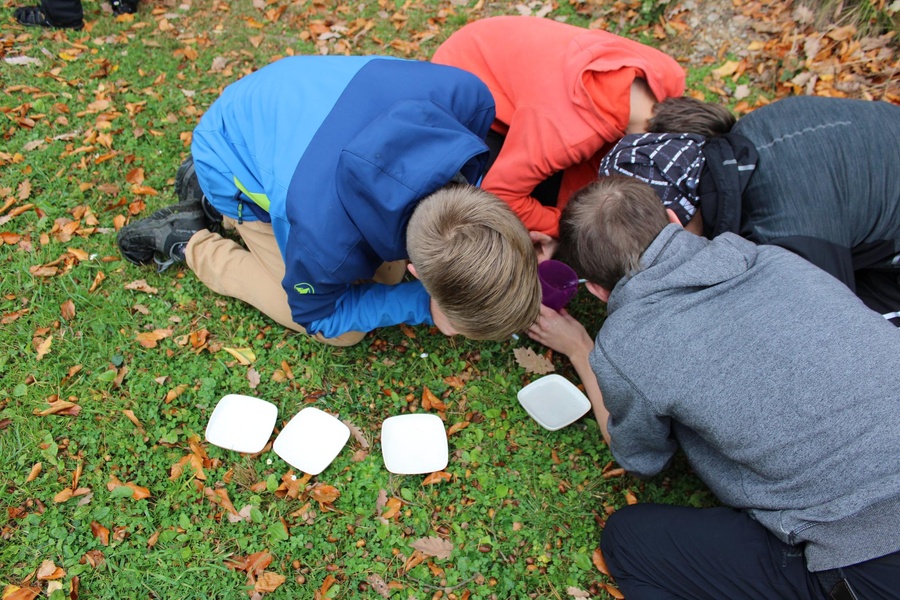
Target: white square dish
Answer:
[[311, 440], [241, 423], [414, 444], [553, 401]]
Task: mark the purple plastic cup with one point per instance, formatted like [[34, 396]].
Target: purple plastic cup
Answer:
[[559, 283]]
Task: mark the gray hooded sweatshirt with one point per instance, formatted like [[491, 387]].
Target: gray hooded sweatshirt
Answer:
[[780, 386]]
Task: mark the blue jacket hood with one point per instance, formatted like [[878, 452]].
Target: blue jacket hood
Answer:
[[379, 187]]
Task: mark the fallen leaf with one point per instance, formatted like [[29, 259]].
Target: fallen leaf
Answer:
[[613, 591], [434, 546], [254, 564], [323, 493], [437, 477], [49, 571], [149, 339], [14, 592], [100, 532], [44, 347], [357, 434], [35, 471], [575, 592], [245, 356], [67, 310], [729, 68], [414, 560], [430, 401], [60, 407], [93, 558], [600, 562], [253, 378], [140, 285], [457, 427], [533, 363], [379, 585], [131, 417], [392, 507], [268, 582]]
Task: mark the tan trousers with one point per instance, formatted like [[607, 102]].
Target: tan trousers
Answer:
[[253, 274]]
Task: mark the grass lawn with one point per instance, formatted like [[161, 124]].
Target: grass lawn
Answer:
[[109, 372]]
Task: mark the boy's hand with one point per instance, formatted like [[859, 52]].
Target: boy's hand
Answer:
[[544, 245], [560, 332]]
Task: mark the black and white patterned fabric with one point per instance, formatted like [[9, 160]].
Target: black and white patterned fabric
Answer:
[[669, 162]]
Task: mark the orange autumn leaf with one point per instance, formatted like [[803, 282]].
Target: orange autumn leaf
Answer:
[[44, 347], [149, 339], [326, 585], [48, 571], [254, 564], [219, 496], [138, 492], [67, 310], [35, 471], [98, 279], [175, 392], [600, 562], [430, 401], [613, 591], [437, 477], [630, 498], [100, 532], [60, 407], [323, 493], [414, 560], [135, 176], [268, 582], [457, 427], [392, 508], [14, 592]]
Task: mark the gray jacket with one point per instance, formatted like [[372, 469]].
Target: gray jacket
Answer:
[[780, 386]]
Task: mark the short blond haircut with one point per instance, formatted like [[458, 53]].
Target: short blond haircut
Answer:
[[476, 260], [607, 226]]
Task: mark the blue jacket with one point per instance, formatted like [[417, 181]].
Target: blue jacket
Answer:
[[335, 152]]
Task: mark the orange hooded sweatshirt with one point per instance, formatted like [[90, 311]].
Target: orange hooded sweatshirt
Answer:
[[563, 96]]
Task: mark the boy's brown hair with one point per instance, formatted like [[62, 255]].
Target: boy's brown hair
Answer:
[[475, 258], [607, 226], [689, 115]]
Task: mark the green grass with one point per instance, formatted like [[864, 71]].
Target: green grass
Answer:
[[524, 507]]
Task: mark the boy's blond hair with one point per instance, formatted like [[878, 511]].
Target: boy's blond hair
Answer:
[[607, 226], [476, 260]]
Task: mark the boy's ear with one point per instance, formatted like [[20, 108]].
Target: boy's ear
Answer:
[[598, 290], [412, 270], [673, 218]]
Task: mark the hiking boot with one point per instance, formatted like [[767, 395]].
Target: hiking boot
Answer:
[[187, 188], [163, 236], [120, 7], [34, 16]]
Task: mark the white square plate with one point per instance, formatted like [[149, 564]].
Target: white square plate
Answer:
[[553, 401], [311, 440], [241, 423], [414, 444]]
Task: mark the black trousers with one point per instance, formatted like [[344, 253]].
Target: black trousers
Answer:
[[657, 551], [63, 13]]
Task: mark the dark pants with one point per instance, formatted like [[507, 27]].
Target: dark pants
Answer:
[[658, 551], [63, 13]]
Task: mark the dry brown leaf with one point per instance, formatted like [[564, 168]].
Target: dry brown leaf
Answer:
[[392, 507], [35, 471], [60, 407], [49, 571], [149, 339], [100, 532], [613, 591], [67, 310], [324, 493], [219, 496], [414, 560], [430, 401], [253, 378], [93, 558], [600, 562], [175, 392], [44, 347], [131, 417], [729, 68], [254, 564], [14, 592], [24, 190], [434, 546], [140, 285], [137, 492], [268, 582], [437, 477], [98, 279], [457, 427], [575, 592], [357, 434], [533, 363], [379, 585], [630, 498], [135, 176]]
